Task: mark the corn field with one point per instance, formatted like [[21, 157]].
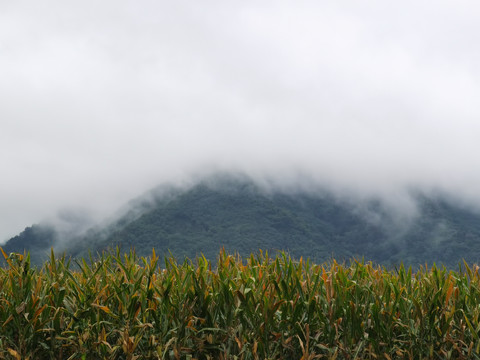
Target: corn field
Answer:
[[124, 307]]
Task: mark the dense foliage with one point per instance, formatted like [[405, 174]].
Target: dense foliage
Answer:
[[124, 307]]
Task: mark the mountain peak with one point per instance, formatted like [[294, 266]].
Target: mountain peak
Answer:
[[241, 215]]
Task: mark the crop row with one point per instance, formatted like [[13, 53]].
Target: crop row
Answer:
[[123, 307]]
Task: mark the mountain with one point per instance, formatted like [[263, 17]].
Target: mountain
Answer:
[[240, 216], [37, 239]]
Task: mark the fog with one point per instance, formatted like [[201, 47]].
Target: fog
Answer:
[[101, 101]]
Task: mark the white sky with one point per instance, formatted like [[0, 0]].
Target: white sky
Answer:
[[102, 100]]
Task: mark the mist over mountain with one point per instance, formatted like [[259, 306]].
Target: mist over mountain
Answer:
[[103, 100], [243, 216]]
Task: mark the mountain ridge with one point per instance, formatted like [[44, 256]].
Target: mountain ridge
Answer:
[[241, 216]]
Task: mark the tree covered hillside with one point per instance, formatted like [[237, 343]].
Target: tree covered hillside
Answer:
[[204, 220], [241, 217], [37, 239]]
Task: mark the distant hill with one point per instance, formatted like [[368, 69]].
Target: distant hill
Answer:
[[37, 239], [236, 214]]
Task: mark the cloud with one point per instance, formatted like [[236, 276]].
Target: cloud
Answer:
[[104, 100]]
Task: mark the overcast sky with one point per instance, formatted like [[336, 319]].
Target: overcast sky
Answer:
[[102, 100]]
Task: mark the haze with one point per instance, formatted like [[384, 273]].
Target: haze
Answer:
[[103, 100]]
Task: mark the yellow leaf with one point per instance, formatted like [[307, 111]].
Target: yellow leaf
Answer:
[[102, 307], [15, 354], [10, 318], [38, 312], [239, 343], [6, 257]]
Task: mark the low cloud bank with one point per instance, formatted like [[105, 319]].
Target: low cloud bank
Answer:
[[101, 102]]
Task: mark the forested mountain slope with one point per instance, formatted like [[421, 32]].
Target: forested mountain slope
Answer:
[[241, 217]]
